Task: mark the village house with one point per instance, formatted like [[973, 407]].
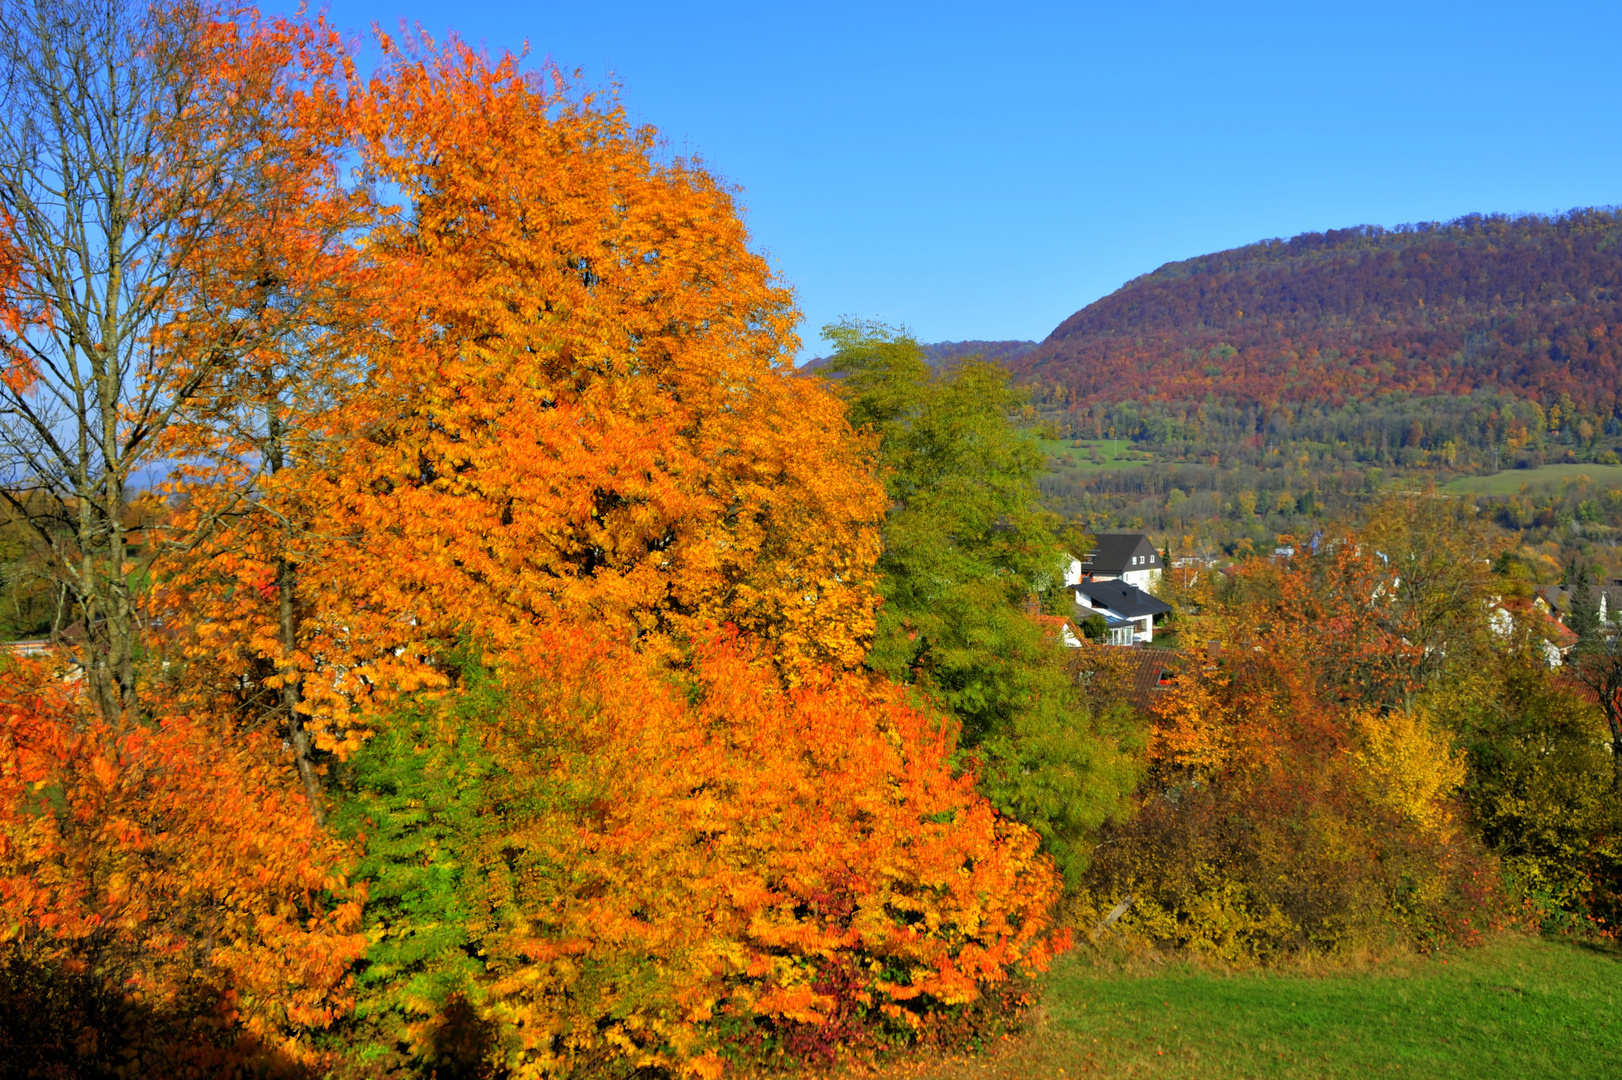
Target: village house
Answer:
[[1118, 556], [1112, 581], [1128, 612], [1555, 639]]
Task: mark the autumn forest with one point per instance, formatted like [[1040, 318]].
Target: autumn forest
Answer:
[[449, 637]]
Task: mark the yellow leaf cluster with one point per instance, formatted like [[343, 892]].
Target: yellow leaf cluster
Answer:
[[1407, 764]]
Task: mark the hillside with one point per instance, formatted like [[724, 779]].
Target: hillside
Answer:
[[1531, 306], [941, 353], [1265, 390]]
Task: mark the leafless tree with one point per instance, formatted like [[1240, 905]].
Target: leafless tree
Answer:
[[137, 172]]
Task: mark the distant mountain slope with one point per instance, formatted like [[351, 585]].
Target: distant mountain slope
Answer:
[[1530, 305], [1003, 352], [944, 352]]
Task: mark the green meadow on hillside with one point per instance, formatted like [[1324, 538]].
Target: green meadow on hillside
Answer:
[[1112, 453], [1519, 1007], [1542, 478]]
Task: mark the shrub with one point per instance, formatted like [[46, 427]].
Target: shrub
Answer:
[[1296, 800], [669, 870], [1540, 791], [167, 903]]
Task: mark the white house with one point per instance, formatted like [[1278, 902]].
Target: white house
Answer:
[[1128, 612], [1553, 639], [1118, 556]]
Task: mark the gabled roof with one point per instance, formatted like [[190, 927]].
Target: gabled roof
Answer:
[[1055, 625], [1127, 601], [1152, 671], [1114, 551]]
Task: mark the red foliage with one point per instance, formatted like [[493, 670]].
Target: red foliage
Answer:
[[1527, 305]]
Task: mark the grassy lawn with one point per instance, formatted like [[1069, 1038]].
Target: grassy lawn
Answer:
[[1519, 1007], [1542, 478], [1116, 453]]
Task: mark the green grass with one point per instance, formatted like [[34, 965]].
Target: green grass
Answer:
[[1516, 1008], [1542, 478], [1116, 453]]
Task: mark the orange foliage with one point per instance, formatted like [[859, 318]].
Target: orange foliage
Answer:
[[557, 392], [222, 602], [1294, 800], [173, 864], [585, 404], [801, 865], [254, 440]]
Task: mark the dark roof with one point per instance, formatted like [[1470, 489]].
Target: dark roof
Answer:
[[1113, 553], [1127, 601]]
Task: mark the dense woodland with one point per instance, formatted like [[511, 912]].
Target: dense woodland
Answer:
[[1524, 305], [1268, 388], [523, 671]]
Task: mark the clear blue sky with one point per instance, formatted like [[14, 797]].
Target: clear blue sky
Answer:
[[982, 171]]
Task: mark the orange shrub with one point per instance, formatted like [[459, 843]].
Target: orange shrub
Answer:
[[170, 873], [670, 872]]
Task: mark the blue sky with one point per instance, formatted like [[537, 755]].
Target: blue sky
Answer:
[[982, 171]]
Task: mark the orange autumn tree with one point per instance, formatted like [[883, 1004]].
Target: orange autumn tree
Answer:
[[168, 905], [583, 400], [602, 869], [164, 174], [242, 523]]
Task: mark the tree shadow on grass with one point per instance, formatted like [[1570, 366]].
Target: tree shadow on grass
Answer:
[[1610, 950]]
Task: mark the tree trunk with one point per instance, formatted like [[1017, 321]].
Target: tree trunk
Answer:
[[287, 634], [292, 699]]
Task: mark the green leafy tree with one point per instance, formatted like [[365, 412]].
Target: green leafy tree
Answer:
[[412, 800], [966, 543], [1584, 617], [1540, 785]]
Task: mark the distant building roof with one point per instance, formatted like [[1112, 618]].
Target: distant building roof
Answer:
[[1557, 597], [1152, 671], [1058, 626], [1114, 552], [1127, 601], [1149, 672], [1543, 622]]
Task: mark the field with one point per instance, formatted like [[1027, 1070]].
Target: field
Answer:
[[1112, 453], [1519, 1007], [1542, 478]]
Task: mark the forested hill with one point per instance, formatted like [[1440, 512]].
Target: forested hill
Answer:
[[942, 353], [1528, 305]]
